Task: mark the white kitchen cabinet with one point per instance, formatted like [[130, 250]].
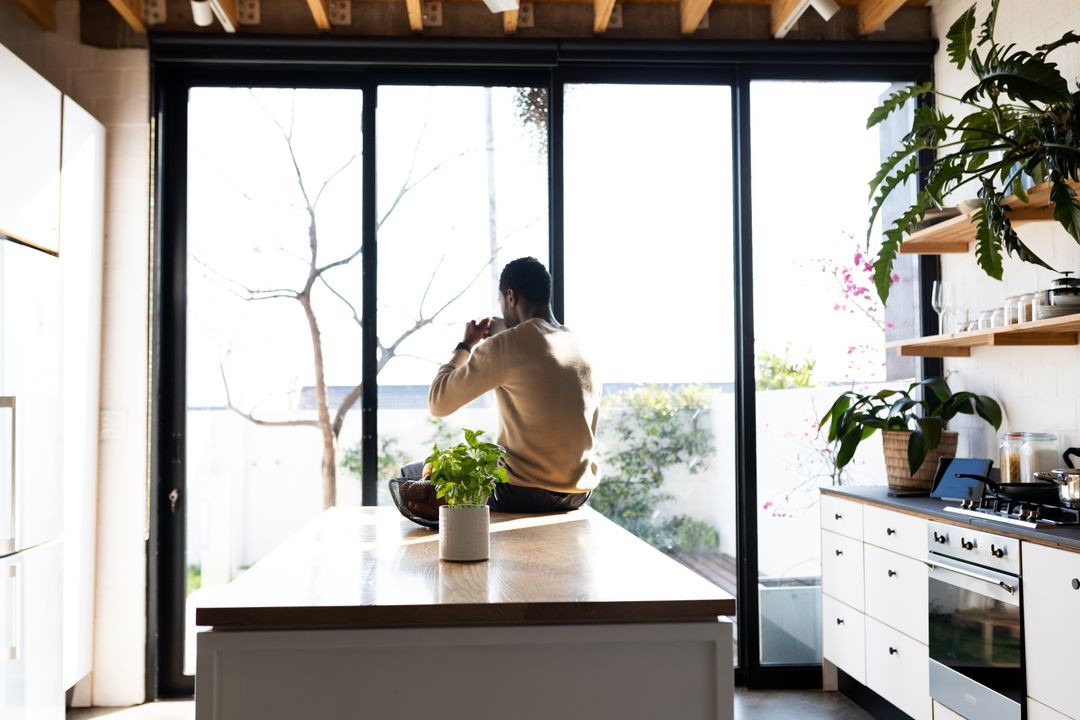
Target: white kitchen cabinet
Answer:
[[842, 517], [30, 645], [1051, 637], [82, 227], [897, 668], [1037, 711], [842, 569], [844, 637], [900, 533], [31, 380], [897, 590], [30, 152]]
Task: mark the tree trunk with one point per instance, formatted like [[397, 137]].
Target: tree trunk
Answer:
[[329, 452]]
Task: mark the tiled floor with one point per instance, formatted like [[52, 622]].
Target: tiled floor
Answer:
[[749, 705]]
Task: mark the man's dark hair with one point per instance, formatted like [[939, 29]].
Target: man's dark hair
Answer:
[[528, 278]]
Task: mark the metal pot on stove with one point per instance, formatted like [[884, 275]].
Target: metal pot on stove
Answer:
[[1067, 479]]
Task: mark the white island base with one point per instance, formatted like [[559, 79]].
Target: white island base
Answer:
[[571, 672]]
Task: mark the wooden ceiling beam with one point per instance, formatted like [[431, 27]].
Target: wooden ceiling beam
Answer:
[[602, 14], [131, 11], [690, 14], [416, 15], [320, 13], [225, 12], [510, 21], [874, 13], [786, 13], [41, 12]]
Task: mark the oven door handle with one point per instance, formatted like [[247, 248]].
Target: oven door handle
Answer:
[[1011, 589]]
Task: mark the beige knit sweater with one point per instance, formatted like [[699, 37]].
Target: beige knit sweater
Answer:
[[548, 406]]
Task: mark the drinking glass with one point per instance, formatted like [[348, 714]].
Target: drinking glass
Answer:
[[937, 301]]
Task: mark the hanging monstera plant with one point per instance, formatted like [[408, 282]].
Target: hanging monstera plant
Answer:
[[1023, 121]]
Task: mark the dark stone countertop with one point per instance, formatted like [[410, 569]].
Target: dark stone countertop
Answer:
[[1065, 537]]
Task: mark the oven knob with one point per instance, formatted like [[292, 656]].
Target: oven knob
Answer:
[[967, 545], [1075, 584], [997, 552], [839, 621], [890, 531], [893, 651], [940, 538]]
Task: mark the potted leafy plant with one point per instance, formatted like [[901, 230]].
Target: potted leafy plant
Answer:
[[464, 477], [1022, 120], [913, 429]]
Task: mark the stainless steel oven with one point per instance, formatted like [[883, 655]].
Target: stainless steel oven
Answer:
[[976, 645]]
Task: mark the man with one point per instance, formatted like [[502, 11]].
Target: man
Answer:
[[548, 405]]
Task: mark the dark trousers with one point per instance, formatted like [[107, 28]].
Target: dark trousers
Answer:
[[516, 498]]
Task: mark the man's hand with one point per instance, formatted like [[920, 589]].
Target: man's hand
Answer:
[[476, 331]]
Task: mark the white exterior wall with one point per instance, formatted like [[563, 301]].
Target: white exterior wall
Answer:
[[1039, 387], [114, 86]]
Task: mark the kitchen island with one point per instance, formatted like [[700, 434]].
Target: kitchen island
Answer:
[[572, 617]]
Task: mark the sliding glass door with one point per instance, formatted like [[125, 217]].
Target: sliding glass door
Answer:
[[273, 282], [649, 286], [819, 329]]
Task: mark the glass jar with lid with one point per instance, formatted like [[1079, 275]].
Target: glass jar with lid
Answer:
[[1027, 312], [1009, 456], [985, 319], [1039, 453], [997, 318], [1011, 310]]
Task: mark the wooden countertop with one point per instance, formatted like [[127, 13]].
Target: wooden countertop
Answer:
[[369, 567]]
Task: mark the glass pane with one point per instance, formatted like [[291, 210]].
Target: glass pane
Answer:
[[649, 287], [274, 193], [463, 189], [819, 329]]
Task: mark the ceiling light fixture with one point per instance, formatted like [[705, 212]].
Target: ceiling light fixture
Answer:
[[201, 13], [825, 8], [498, 6]]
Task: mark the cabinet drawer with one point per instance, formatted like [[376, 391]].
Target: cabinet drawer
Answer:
[[898, 669], [943, 713], [896, 592], [903, 534], [1051, 633], [844, 637], [1037, 711], [842, 516], [842, 569]]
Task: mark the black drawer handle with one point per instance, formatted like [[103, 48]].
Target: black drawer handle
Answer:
[[839, 553], [967, 545], [893, 651], [838, 516], [890, 531], [997, 552], [839, 621], [892, 573], [1076, 584]]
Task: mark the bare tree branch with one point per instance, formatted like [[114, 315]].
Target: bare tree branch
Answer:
[[334, 174], [342, 298], [251, 418], [423, 298], [248, 294]]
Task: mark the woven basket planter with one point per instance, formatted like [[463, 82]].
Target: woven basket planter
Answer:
[[895, 443]]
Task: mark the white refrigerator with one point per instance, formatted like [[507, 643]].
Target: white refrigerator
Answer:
[[31, 476]]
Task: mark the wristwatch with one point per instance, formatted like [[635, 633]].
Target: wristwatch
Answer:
[[464, 346]]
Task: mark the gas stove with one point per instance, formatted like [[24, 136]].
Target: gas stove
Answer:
[[1016, 512]]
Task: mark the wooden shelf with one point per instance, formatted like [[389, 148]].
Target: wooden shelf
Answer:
[[957, 234], [1055, 331]]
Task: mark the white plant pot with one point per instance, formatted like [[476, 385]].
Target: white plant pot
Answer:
[[463, 533]]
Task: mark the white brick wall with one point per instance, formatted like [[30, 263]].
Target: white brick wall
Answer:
[[114, 86], [1039, 387]]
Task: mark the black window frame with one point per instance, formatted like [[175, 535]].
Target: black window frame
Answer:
[[179, 63]]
